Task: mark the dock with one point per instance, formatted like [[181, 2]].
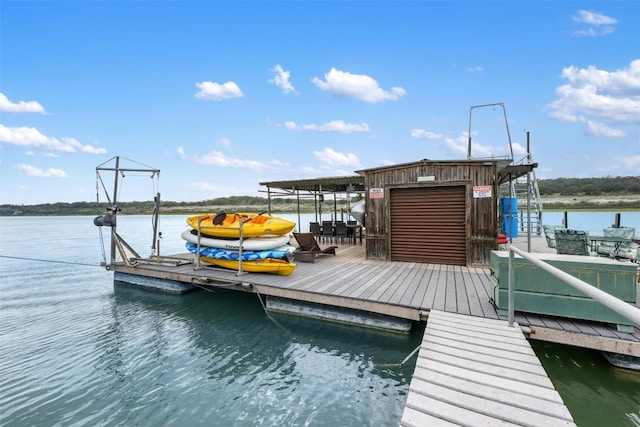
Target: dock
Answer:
[[405, 290], [472, 368], [479, 372]]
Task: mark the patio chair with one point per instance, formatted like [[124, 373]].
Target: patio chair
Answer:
[[627, 250], [327, 231], [549, 233], [350, 230], [314, 228], [309, 248], [341, 231], [572, 242]]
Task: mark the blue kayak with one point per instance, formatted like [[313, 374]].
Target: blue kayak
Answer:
[[217, 253]]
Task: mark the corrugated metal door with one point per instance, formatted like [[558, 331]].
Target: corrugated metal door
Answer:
[[427, 224]]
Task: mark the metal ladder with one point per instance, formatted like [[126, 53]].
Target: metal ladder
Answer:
[[521, 191]]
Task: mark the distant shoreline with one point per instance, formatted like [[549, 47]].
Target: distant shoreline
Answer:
[[629, 202]]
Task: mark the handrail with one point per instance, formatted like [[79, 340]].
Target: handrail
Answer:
[[620, 307]]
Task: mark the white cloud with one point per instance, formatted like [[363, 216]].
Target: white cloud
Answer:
[[425, 134], [600, 129], [31, 137], [518, 149], [181, 152], [357, 86], [333, 158], [36, 172], [600, 99], [92, 150], [460, 145], [475, 69], [218, 92], [7, 106], [217, 158], [332, 126], [593, 18], [597, 24], [281, 79]]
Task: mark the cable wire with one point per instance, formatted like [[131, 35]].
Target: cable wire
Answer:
[[50, 260]]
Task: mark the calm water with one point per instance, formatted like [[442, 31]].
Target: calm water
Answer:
[[77, 350], [593, 222]]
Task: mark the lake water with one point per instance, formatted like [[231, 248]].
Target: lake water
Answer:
[[77, 350]]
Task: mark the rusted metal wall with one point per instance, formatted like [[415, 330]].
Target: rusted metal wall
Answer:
[[481, 214]]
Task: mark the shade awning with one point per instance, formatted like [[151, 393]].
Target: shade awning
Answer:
[[336, 184]]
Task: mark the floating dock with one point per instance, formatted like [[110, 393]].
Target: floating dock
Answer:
[[403, 290], [472, 369], [474, 372]]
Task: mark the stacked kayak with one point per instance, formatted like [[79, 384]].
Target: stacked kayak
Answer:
[[228, 225], [233, 244], [280, 266], [265, 241], [216, 253]]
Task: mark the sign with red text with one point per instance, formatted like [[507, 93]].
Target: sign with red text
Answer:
[[481, 191], [376, 193]]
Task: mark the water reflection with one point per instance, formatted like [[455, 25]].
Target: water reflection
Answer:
[[222, 354], [596, 393]]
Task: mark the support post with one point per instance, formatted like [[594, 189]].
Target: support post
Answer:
[[512, 280]]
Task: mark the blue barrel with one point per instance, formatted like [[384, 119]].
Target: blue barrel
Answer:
[[510, 225], [508, 205]]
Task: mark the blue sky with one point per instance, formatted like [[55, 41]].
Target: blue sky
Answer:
[[223, 95]]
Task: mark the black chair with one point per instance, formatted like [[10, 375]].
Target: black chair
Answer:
[[327, 230], [350, 230], [341, 231], [314, 228]]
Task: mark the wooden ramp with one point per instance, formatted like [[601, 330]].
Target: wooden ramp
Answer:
[[473, 371]]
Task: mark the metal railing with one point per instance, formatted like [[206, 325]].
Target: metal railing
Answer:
[[620, 307]]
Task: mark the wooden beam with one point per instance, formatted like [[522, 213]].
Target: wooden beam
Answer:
[[629, 348]]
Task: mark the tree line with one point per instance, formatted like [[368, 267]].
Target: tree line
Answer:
[[611, 186], [621, 185]]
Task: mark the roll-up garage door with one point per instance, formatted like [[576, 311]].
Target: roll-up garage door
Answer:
[[427, 224]]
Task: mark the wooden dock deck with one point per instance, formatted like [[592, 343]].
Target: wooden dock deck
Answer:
[[405, 290], [480, 372], [472, 369]]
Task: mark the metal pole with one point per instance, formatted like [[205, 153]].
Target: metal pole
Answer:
[[198, 245], [240, 250], [512, 281], [298, 199], [114, 208], [469, 136], [528, 198], [156, 213]]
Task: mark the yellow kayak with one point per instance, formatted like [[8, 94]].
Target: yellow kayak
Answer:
[[269, 265], [228, 225]]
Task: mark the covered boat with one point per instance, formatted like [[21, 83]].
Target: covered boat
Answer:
[[228, 224]]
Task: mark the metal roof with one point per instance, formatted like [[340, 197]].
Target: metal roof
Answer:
[[355, 183], [335, 184]]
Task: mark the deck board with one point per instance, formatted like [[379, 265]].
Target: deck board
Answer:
[[415, 288], [480, 376]]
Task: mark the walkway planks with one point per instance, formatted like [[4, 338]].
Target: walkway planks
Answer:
[[473, 371]]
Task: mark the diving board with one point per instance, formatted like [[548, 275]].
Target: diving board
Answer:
[[475, 371]]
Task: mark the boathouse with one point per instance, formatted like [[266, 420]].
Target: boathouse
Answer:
[[437, 211], [433, 211]]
